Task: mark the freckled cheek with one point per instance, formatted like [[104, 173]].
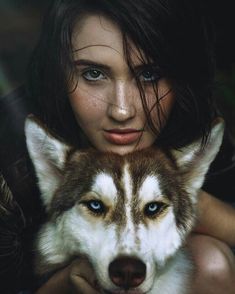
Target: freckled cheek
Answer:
[[86, 107]]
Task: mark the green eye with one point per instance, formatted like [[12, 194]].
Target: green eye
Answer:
[[93, 75], [153, 208], [149, 76]]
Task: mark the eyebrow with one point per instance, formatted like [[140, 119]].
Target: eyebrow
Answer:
[[87, 62]]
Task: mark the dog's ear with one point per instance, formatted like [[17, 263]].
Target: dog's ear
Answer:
[[195, 159], [48, 156]]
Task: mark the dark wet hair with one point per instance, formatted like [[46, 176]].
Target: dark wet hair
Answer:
[[174, 35]]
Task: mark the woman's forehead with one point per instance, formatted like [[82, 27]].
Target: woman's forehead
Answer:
[[95, 30], [98, 35]]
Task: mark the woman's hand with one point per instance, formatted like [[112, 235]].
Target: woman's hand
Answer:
[[82, 277], [78, 277]]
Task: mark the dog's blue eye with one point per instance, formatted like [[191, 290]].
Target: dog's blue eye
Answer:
[[153, 208], [95, 206]]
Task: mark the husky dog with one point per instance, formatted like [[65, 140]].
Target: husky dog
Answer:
[[130, 215]]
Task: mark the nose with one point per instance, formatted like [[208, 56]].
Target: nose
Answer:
[[122, 105], [127, 272]]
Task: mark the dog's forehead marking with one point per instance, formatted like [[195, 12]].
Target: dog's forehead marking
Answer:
[[127, 183], [104, 185], [128, 236], [150, 189]]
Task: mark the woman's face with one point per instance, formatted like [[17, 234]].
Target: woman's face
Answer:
[[106, 100]]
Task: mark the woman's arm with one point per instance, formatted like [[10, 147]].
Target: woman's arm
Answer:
[[216, 218]]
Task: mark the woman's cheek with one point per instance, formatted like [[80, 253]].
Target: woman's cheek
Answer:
[[161, 107], [86, 105]]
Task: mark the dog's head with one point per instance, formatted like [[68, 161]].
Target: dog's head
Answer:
[[128, 214]]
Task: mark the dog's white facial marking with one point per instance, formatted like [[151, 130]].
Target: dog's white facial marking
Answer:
[[150, 203], [112, 197], [104, 185], [161, 230], [168, 234], [127, 183], [150, 189], [127, 232]]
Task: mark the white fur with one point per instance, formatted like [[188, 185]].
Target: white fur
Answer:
[[49, 155], [197, 161], [156, 243], [126, 243], [150, 189], [104, 185]]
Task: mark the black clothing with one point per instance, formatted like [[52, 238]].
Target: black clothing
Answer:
[[21, 215], [25, 213]]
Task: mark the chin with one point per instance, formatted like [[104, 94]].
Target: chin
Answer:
[[123, 149]]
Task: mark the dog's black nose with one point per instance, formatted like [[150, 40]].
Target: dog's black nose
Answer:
[[127, 272]]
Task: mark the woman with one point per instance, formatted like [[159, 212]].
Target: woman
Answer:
[[125, 75]]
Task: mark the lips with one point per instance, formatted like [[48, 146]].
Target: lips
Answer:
[[122, 136]]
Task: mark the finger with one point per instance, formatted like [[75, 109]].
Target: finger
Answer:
[[83, 276], [81, 286]]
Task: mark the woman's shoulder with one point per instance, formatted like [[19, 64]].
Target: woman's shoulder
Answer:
[[14, 161], [15, 165], [14, 107], [13, 110], [220, 180], [19, 193]]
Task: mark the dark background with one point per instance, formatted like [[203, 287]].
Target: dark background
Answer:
[[20, 22]]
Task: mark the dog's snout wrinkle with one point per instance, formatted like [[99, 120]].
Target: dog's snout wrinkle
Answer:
[[127, 272]]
